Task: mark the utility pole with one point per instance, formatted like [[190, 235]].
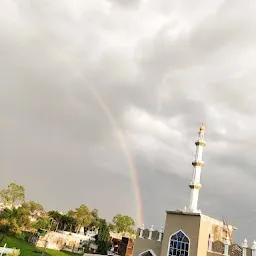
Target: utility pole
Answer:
[[46, 242], [45, 245]]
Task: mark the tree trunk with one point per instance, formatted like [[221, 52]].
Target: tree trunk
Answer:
[[57, 226], [78, 228]]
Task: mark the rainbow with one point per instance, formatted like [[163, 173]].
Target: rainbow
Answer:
[[121, 138], [126, 151]]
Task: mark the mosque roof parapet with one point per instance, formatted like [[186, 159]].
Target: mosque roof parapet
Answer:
[[178, 212], [150, 233]]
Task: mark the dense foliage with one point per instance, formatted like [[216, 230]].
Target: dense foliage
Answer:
[[102, 239], [18, 216], [123, 224], [12, 195]]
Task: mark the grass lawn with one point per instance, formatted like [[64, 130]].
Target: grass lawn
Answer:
[[28, 249]]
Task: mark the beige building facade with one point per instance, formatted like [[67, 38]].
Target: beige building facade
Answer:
[[188, 232]]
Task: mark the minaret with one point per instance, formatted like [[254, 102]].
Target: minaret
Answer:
[[198, 164]]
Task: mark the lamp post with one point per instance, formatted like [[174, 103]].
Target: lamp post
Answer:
[[46, 242]]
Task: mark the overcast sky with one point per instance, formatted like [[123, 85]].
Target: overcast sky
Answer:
[[74, 75]]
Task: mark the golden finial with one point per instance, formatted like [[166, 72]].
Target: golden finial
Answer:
[[202, 128]]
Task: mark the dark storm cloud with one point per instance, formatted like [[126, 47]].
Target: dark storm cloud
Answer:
[[72, 74]]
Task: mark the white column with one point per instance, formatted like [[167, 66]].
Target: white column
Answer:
[[160, 235], [150, 232], [194, 194], [197, 164], [244, 246], [254, 248], [226, 245], [210, 243], [141, 231]]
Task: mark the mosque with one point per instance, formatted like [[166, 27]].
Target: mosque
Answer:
[[188, 232]]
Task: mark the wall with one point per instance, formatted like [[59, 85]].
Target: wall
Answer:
[[85, 237], [130, 247], [218, 229], [187, 222], [120, 235], [204, 232], [249, 252], [57, 240], [196, 226], [213, 254], [8, 250], [142, 245], [214, 227]]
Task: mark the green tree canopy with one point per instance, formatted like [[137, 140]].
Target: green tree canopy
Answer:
[[123, 224], [82, 215], [12, 221], [56, 216], [9, 227], [12, 195], [95, 218], [21, 215], [43, 223], [103, 237], [35, 206]]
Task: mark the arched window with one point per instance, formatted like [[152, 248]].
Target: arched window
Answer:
[[178, 244], [147, 253]]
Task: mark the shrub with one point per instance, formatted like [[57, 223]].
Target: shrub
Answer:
[[14, 253]]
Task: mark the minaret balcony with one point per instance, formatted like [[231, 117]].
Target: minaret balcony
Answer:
[[198, 163], [200, 143], [195, 185]]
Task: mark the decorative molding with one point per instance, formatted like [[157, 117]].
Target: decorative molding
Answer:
[[245, 244], [151, 232], [147, 252], [254, 245], [200, 164], [218, 246], [160, 234], [192, 186], [200, 143], [235, 250]]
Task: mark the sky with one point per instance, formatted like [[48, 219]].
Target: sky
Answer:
[[93, 92]]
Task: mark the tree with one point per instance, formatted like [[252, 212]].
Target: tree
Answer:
[[95, 219], [56, 216], [67, 222], [102, 239], [12, 195], [71, 223], [8, 223], [123, 224], [83, 217], [21, 215], [35, 206], [42, 223]]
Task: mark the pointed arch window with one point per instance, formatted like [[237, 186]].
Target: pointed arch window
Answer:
[[178, 244], [148, 253]]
